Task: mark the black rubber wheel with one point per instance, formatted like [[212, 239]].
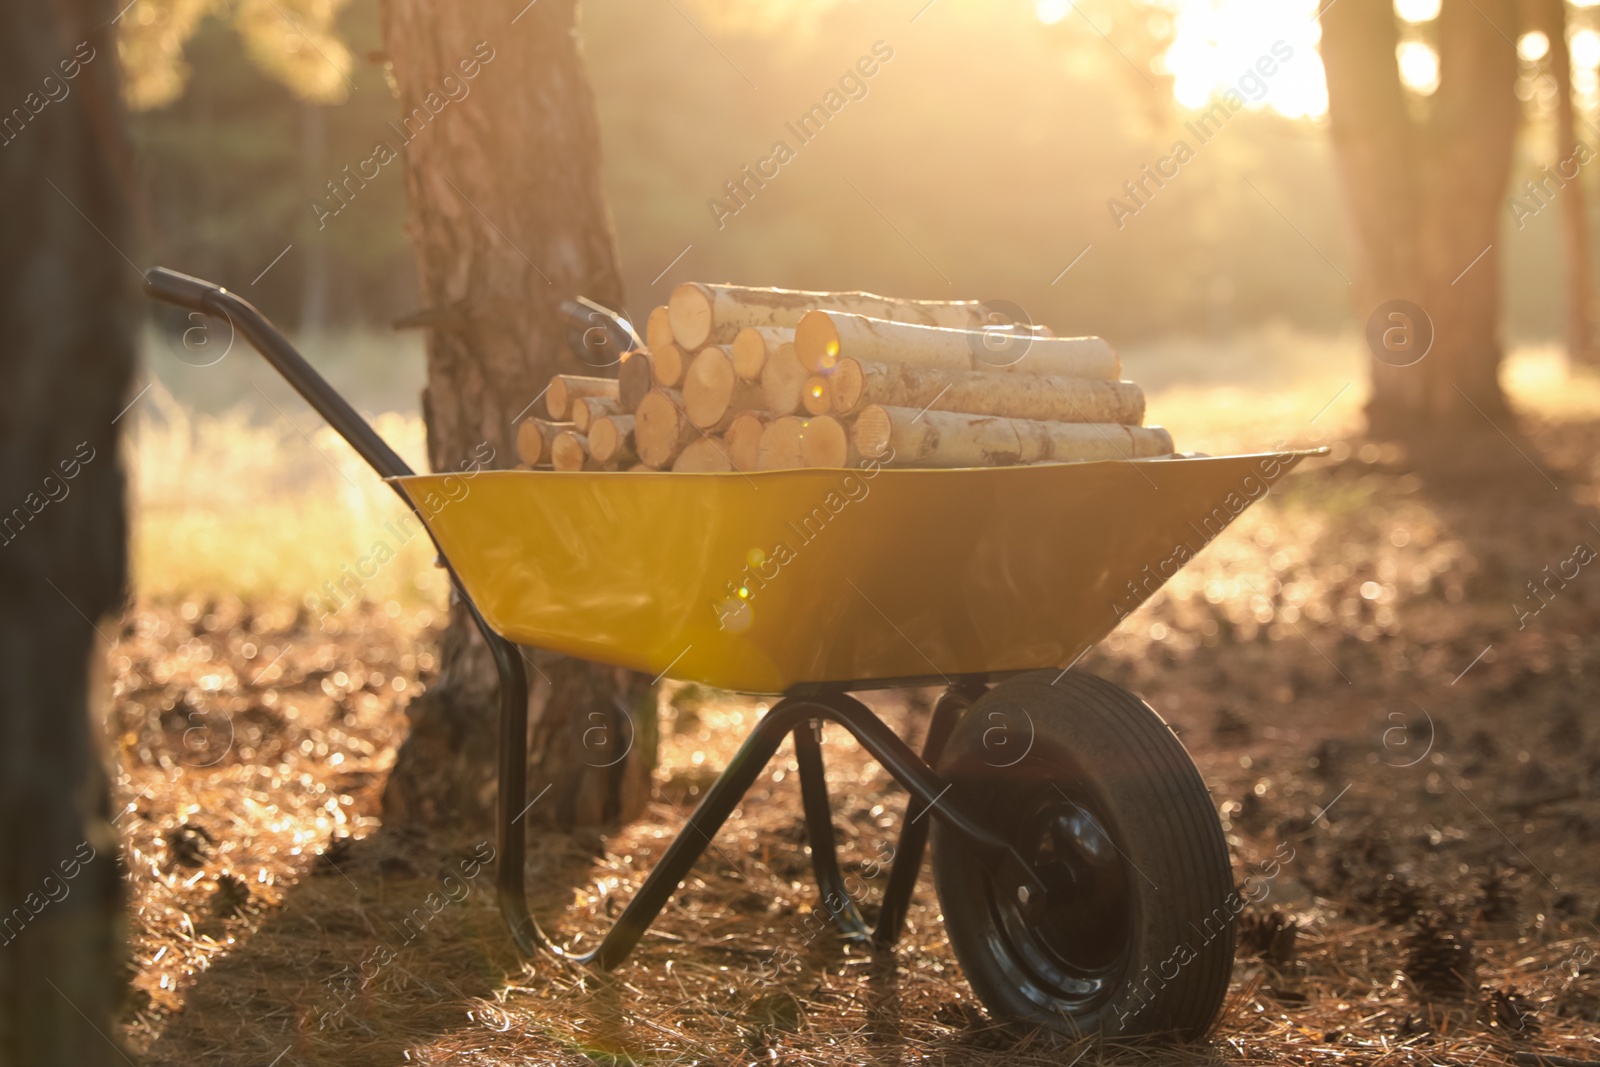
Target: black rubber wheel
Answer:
[[1094, 790]]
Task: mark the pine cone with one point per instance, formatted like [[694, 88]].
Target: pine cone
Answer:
[[1439, 958], [1566, 735], [1230, 727], [230, 896], [1511, 1011], [1397, 899], [1252, 812], [1483, 744], [1579, 1004], [1375, 848], [1534, 779], [1497, 899], [335, 856], [189, 844], [1328, 759], [1269, 935]]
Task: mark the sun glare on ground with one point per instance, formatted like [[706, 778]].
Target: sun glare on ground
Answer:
[[1265, 50]]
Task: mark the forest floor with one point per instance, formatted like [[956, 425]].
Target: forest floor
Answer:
[[1357, 668]]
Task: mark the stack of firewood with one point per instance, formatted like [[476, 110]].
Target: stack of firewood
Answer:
[[737, 379]]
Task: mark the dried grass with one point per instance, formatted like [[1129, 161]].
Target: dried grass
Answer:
[[227, 506]]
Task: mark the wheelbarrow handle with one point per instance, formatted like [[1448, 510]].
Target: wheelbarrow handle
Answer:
[[181, 290], [598, 335], [208, 298]]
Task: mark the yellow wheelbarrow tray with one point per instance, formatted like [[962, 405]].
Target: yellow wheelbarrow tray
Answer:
[[1082, 872], [858, 578]]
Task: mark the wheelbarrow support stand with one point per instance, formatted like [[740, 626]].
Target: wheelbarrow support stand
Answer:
[[799, 715]]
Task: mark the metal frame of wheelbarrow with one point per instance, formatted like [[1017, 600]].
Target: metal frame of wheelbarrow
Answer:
[[801, 713]]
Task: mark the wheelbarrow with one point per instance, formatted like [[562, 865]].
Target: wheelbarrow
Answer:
[[1077, 857]]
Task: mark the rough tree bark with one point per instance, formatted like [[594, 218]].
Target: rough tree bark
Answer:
[[507, 218], [1427, 196], [66, 314], [1377, 153]]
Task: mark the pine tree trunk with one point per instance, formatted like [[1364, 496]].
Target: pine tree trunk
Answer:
[[502, 166], [1375, 148], [1425, 199], [314, 277], [1551, 17], [66, 314], [1470, 136]]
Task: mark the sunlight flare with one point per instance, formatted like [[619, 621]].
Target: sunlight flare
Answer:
[[1419, 67], [1051, 12], [1218, 45], [1417, 10]]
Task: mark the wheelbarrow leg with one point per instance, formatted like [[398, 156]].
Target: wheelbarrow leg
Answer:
[[819, 832], [510, 835], [914, 832]]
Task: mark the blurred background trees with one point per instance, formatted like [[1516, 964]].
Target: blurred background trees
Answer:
[[1058, 105], [237, 136]]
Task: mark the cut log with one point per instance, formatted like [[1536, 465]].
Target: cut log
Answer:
[[906, 437], [660, 428], [781, 381], [816, 395], [780, 444], [848, 382], [744, 439], [657, 329], [791, 442], [713, 394], [635, 378], [533, 440], [586, 409], [638, 467], [565, 388], [611, 441], [823, 338], [707, 454], [855, 384], [1061, 442], [753, 345], [569, 451], [714, 314], [824, 442], [708, 385], [641, 371], [667, 364]]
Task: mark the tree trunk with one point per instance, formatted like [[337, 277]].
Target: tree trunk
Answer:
[[501, 151], [1550, 16], [1470, 137], [1375, 147], [1425, 200], [314, 278], [66, 314]]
